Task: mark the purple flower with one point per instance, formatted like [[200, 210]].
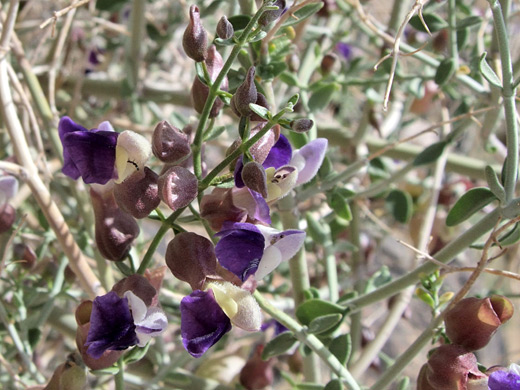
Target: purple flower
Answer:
[[119, 323], [246, 249], [203, 322], [505, 380], [90, 154], [345, 50]]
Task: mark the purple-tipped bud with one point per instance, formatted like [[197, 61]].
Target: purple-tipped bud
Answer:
[[138, 195], [473, 321], [450, 367], [253, 176], [115, 230], [245, 94], [328, 62], [200, 91], [195, 38], [139, 285], [257, 373], [7, 217], [302, 125], [83, 320], [270, 16], [261, 101], [191, 258], [225, 29], [169, 144], [177, 187]]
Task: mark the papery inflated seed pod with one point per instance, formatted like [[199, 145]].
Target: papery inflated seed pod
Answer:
[[191, 258], [115, 230], [169, 144], [245, 94], [177, 187], [270, 16], [253, 176], [138, 195], [200, 91], [225, 29], [195, 38]]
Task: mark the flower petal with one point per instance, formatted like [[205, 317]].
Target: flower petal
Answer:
[[8, 188], [154, 324], [280, 153], [308, 159], [136, 306], [203, 322], [111, 325], [240, 249], [502, 380], [132, 152], [270, 260], [288, 242]]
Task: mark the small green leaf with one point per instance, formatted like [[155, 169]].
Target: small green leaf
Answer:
[[347, 297], [308, 386], [488, 73], [239, 22], [430, 154], [271, 70], [494, 184], [400, 204], [261, 111], [334, 384], [341, 347], [425, 297], [136, 354], [445, 71], [110, 5], [313, 308], [469, 203], [321, 98], [511, 237], [340, 206], [404, 384], [470, 21], [435, 23], [302, 14], [293, 99], [381, 277], [462, 38], [223, 42], [258, 37], [290, 79], [280, 344], [214, 133], [106, 371], [316, 230], [324, 323]]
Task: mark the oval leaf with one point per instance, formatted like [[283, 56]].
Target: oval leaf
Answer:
[[302, 14], [445, 71], [471, 202], [341, 347], [488, 73], [430, 154], [314, 308], [494, 183], [239, 22], [280, 344], [324, 323], [469, 22], [400, 204], [435, 23], [322, 97]]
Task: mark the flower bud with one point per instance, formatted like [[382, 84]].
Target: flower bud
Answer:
[[302, 125], [169, 144], [137, 195], [195, 38], [137, 284], [449, 367], [200, 91], [7, 217], [115, 230], [253, 176], [191, 258], [327, 63], [245, 94], [108, 358], [270, 16], [224, 28], [260, 150], [473, 321], [70, 375], [177, 187], [257, 373]]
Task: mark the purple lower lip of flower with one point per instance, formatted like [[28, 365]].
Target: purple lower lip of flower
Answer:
[[111, 325], [502, 380], [147, 330], [203, 322], [345, 50], [90, 154], [240, 248]]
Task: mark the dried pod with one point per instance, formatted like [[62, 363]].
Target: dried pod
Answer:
[[200, 91], [473, 321], [253, 176], [270, 16], [257, 373], [139, 285], [7, 217], [191, 258], [138, 195], [225, 29], [302, 125], [195, 38], [169, 144], [115, 230], [177, 187], [245, 94]]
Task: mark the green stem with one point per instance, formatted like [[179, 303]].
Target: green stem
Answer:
[[310, 340], [137, 28], [452, 22], [119, 378], [508, 94]]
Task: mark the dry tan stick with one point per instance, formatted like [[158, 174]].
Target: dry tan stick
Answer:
[[62, 12]]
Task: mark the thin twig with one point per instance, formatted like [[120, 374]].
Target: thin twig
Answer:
[[61, 12]]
